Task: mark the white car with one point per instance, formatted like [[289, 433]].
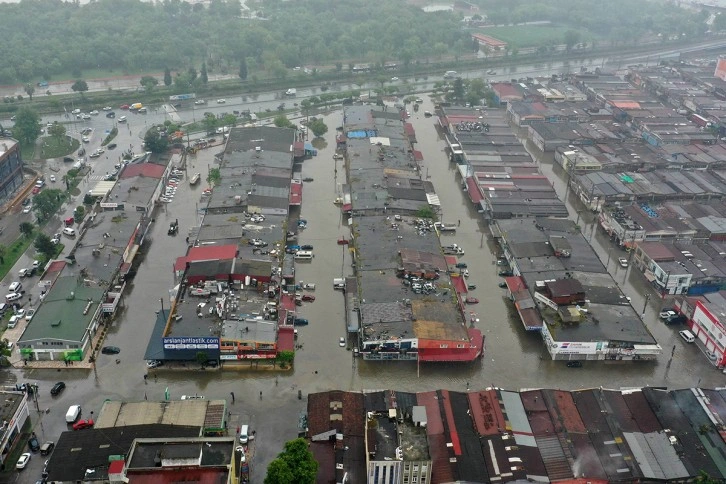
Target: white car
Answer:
[[94, 113], [100, 150], [623, 261], [55, 240], [394, 79], [76, 111], [52, 178], [85, 116], [86, 139], [27, 208], [221, 101], [15, 286], [23, 461], [107, 108], [341, 342], [200, 101], [29, 314]]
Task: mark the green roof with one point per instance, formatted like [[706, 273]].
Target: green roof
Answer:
[[63, 314]]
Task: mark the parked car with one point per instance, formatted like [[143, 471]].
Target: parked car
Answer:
[[33, 443], [83, 424], [47, 447], [308, 297], [666, 314], [341, 342], [574, 364], [23, 461], [57, 388], [154, 363], [221, 101], [110, 350], [471, 300], [623, 261], [300, 322], [506, 273]]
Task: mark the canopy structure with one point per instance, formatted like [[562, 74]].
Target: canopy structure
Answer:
[[102, 188]]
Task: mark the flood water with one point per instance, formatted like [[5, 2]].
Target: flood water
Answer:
[[513, 358]]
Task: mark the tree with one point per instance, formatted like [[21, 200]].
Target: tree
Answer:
[[44, 245], [295, 464], [242, 69], [47, 202], [572, 37], [203, 74], [318, 127], [149, 82], [167, 77], [26, 228], [281, 121], [229, 120], [78, 213], [27, 125], [57, 131], [29, 90], [214, 177], [3, 251], [210, 123], [192, 72], [155, 142], [80, 86]]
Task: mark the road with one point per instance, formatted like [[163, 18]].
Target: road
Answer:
[[513, 359]]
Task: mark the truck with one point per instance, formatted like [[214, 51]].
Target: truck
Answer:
[[453, 249], [444, 227], [136, 106], [291, 92]]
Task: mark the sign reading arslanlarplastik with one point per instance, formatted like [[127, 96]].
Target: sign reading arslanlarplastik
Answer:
[[191, 343]]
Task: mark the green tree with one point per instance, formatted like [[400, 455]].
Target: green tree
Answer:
[[26, 228], [202, 357], [242, 69], [210, 123], [29, 90], [281, 121], [155, 142], [572, 37], [80, 86], [214, 177], [426, 212], [149, 82], [229, 120], [57, 131], [192, 73], [27, 125], [47, 203], [44, 245], [318, 127], [294, 465], [203, 74], [167, 77], [3, 251], [78, 213]]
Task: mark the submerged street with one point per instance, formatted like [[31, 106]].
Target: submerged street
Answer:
[[513, 358]]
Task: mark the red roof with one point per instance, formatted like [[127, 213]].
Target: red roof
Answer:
[[151, 170], [417, 155], [489, 40], [197, 475], [296, 190], [286, 338], [515, 283], [504, 90], [438, 354], [209, 252], [449, 413], [473, 188], [459, 284], [116, 467], [408, 129], [287, 302]]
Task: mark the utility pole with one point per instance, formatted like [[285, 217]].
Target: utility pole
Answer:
[[645, 306]]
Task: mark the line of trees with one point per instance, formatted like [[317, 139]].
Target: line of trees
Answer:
[[45, 38]]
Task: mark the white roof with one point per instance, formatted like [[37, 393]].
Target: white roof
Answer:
[[102, 188]]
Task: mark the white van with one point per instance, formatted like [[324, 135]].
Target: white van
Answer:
[[449, 74], [13, 296], [244, 435], [74, 411], [14, 320], [303, 255], [69, 231], [687, 336]]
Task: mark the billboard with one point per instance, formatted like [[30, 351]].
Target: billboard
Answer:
[[182, 97], [191, 343]]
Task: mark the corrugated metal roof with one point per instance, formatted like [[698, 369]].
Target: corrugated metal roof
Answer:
[[557, 465], [517, 418], [655, 455]]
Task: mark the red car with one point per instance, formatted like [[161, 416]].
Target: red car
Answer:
[[83, 424], [36, 190], [308, 297], [124, 106], [471, 300]]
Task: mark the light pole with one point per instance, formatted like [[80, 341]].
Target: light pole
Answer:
[[647, 298]]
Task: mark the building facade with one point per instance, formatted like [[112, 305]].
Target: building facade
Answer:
[[11, 168]]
